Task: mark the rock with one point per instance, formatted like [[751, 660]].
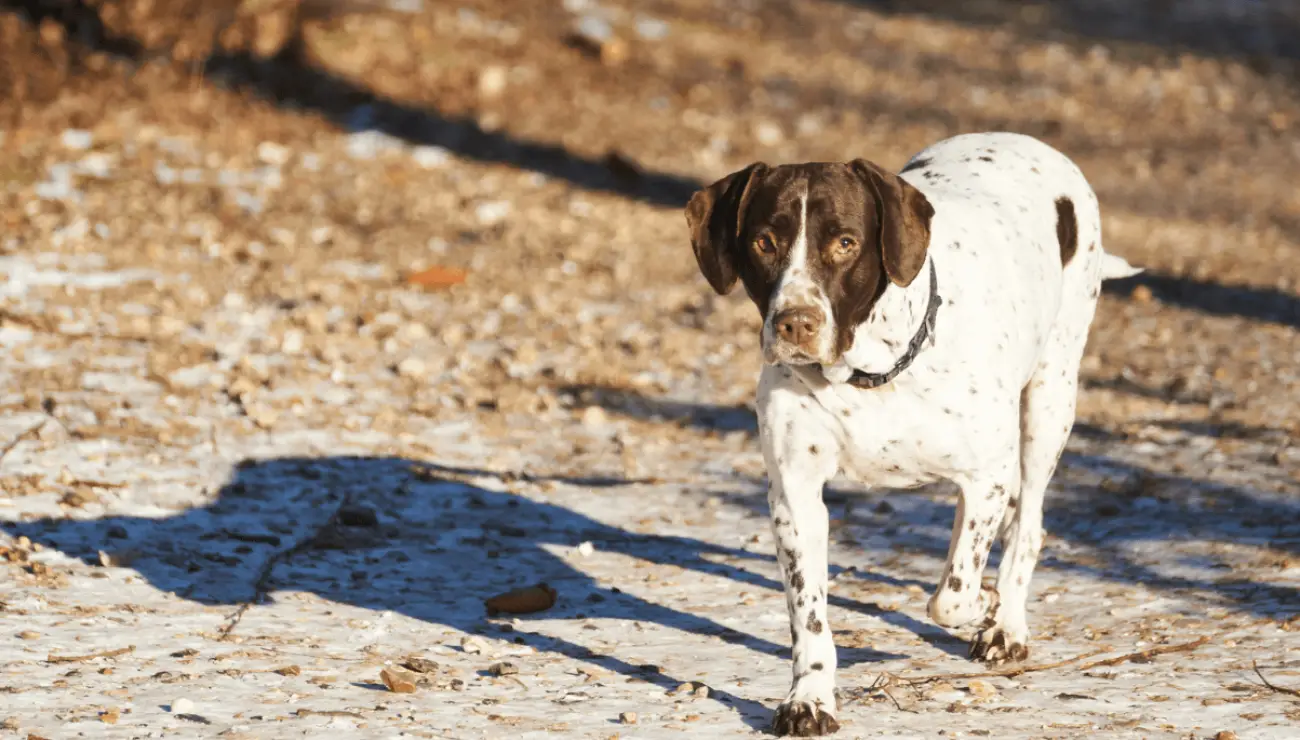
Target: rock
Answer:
[[585, 549], [412, 367], [182, 706], [289, 670], [1141, 294], [627, 718], [398, 681], [430, 157], [492, 81], [1225, 735], [651, 29], [353, 515], [473, 645], [420, 665], [768, 133], [492, 212], [272, 153], [77, 139], [504, 668], [29, 635], [522, 600], [594, 416], [982, 689]]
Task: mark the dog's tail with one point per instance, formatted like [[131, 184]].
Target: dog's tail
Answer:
[[1114, 267]]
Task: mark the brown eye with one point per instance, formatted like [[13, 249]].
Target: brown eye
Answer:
[[764, 244], [845, 244]]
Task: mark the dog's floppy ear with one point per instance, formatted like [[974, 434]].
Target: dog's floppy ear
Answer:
[[904, 222], [714, 217]]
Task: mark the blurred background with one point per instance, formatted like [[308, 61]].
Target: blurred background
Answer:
[[353, 235]]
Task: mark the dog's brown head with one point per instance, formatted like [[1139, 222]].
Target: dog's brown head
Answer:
[[815, 245]]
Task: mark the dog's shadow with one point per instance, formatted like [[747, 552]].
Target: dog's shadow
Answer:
[[400, 517]]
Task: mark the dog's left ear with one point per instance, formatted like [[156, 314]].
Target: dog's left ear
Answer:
[[904, 216], [714, 216]]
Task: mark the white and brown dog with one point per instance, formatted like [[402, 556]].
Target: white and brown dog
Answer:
[[916, 327]]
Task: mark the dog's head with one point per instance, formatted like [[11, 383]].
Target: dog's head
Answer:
[[815, 245]]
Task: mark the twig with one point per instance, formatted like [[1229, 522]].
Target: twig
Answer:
[[28, 432], [263, 582], [1273, 686], [1013, 671], [92, 656]]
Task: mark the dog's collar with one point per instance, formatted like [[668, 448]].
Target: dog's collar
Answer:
[[868, 381]]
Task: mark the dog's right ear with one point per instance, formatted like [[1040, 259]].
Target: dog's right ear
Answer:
[[714, 216]]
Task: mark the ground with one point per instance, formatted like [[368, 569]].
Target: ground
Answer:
[[253, 451]]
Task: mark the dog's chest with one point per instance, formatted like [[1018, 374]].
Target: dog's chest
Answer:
[[910, 433]]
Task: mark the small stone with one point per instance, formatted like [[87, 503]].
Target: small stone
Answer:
[[110, 716], [398, 681], [289, 670], [492, 81], [473, 645], [182, 706], [412, 367], [272, 153], [585, 549], [594, 416], [10, 724], [1141, 294], [420, 665], [29, 635], [492, 212], [701, 692], [358, 516], [982, 689], [504, 668], [430, 157], [77, 139], [768, 133], [1226, 735], [627, 718]]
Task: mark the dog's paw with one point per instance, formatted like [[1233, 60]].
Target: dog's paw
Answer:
[[798, 718], [995, 646]]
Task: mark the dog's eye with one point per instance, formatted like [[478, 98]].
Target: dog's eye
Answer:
[[846, 244], [764, 244]]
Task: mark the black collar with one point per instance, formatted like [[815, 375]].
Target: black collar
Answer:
[[868, 381]]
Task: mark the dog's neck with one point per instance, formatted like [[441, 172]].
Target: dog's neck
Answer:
[[895, 322]]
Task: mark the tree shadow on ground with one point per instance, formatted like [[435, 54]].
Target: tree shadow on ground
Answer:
[[289, 80], [1258, 304], [1258, 35], [1103, 513], [415, 539]]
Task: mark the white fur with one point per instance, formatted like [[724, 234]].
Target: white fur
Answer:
[[988, 403]]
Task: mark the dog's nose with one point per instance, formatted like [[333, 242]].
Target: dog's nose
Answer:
[[798, 326]]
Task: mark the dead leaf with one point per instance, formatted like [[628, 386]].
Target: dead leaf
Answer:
[[522, 600], [436, 277]]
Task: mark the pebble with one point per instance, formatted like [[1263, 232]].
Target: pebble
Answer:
[[182, 706], [768, 133], [430, 157], [982, 689], [585, 549], [594, 416], [492, 212], [651, 29], [492, 81], [627, 718], [504, 668], [412, 367], [272, 153], [473, 645], [77, 139]]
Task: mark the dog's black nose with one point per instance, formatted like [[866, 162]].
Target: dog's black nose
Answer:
[[798, 326]]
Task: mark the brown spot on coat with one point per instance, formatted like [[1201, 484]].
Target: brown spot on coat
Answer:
[[814, 624], [954, 583], [1067, 229]]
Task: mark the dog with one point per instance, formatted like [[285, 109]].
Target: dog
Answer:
[[920, 326]]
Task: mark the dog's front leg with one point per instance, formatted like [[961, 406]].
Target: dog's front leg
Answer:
[[800, 459]]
